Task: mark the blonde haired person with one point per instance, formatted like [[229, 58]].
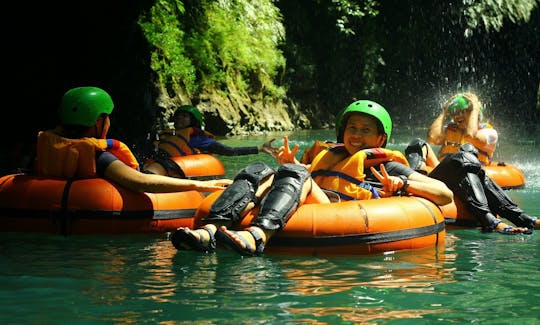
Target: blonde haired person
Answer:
[[467, 144]]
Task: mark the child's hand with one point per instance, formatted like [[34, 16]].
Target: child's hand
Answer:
[[391, 184], [285, 154]]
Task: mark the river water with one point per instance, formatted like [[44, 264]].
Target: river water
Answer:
[[142, 279]]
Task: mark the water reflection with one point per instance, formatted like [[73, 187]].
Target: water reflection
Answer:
[[410, 271], [358, 315]]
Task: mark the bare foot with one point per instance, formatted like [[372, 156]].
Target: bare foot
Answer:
[[201, 239], [243, 238], [249, 242], [506, 229]]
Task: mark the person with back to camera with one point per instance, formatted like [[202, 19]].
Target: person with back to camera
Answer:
[[363, 130], [78, 148], [467, 144], [189, 137]]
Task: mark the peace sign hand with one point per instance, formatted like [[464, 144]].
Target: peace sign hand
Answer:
[[391, 184], [285, 154]]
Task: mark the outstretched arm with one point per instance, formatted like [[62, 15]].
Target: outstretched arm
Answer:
[[134, 180], [267, 148]]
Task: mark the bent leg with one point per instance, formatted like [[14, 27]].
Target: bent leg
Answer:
[[283, 198], [459, 172], [289, 188], [237, 196], [416, 156], [502, 204], [420, 156]]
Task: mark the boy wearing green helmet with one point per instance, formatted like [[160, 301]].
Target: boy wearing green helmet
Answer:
[[78, 148], [364, 128], [189, 137]]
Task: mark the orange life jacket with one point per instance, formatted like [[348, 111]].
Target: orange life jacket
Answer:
[[336, 171], [454, 138], [312, 152], [76, 158], [176, 142]]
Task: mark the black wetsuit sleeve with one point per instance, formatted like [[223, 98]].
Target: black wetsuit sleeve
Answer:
[[103, 160], [393, 168], [224, 150]]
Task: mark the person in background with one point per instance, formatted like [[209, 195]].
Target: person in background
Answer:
[[78, 148], [188, 138], [466, 146], [466, 126], [341, 172]]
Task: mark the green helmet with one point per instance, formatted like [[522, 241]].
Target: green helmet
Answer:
[[83, 105], [460, 103], [194, 111], [367, 107]]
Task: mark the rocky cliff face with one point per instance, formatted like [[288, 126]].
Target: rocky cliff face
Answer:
[[234, 114]]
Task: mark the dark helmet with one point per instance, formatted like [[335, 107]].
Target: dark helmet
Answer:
[[194, 111], [83, 105], [367, 107]]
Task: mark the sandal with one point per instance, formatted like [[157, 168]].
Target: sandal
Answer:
[[184, 239], [229, 242]]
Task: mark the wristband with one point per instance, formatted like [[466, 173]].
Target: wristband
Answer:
[[403, 189]]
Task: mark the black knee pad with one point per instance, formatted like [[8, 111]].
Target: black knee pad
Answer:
[[239, 194], [471, 185], [456, 166], [283, 198], [469, 161], [467, 147], [414, 153]]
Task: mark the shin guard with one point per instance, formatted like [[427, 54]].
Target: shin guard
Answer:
[[414, 153], [230, 204], [283, 197]]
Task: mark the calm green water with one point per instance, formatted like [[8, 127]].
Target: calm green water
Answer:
[[474, 278]]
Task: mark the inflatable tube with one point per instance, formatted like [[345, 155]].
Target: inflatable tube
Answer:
[[199, 166], [90, 206], [505, 175], [457, 216], [95, 206], [354, 227]]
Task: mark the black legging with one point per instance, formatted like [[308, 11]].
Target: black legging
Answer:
[[463, 174]]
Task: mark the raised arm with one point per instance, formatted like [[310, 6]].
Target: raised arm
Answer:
[[436, 130]]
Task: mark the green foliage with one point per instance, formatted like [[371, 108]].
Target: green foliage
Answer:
[[217, 44], [347, 11], [165, 34], [244, 37], [491, 13]]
